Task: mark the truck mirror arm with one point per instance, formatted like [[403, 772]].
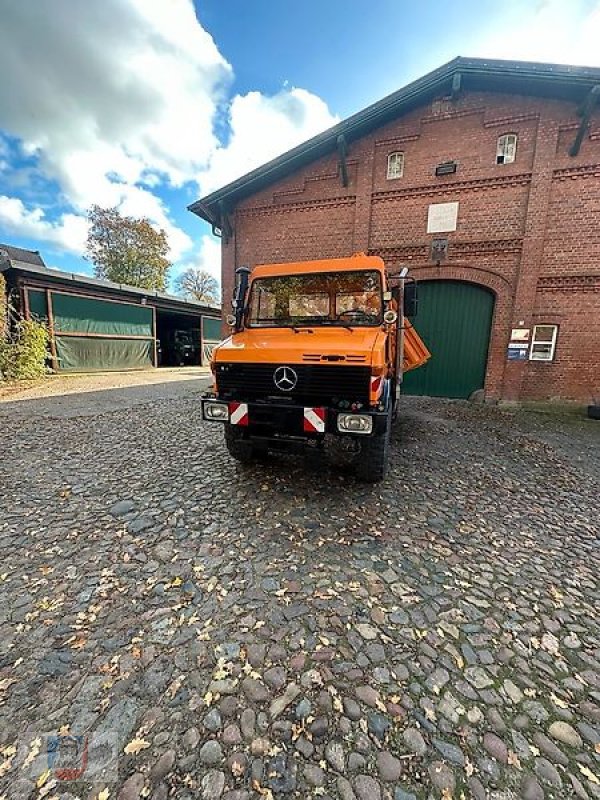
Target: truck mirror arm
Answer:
[[239, 296]]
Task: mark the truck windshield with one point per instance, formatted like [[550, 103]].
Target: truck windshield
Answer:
[[320, 298]]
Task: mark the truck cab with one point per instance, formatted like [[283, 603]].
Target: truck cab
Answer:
[[317, 350]]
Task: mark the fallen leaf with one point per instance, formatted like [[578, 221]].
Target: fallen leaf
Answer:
[[33, 753], [135, 746], [588, 774], [208, 698], [558, 702], [263, 792], [338, 705], [103, 795], [6, 765], [42, 779], [175, 686]]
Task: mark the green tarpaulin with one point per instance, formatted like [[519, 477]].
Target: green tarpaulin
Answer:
[[80, 354], [211, 329], [101, 328], [76, 314], [38, 307]]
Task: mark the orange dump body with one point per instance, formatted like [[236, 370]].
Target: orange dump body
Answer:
[[415, 352]]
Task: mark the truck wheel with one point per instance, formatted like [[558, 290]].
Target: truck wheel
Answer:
[[372, 461], [238, 447]]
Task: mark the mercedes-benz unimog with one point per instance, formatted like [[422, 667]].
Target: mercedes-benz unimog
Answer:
[[317, 349]]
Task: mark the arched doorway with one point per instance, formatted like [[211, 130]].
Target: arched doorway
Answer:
[[454, 320]]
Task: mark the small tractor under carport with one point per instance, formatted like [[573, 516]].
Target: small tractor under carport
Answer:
[[318, 348]]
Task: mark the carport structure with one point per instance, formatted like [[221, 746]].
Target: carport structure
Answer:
[[97, 325]]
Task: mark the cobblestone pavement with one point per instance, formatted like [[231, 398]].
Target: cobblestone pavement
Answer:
[[279, 631], [67, 395]]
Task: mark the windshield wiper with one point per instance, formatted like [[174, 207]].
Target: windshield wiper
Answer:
[[338, 323]]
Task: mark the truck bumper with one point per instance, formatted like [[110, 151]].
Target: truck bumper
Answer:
[[279, 421]]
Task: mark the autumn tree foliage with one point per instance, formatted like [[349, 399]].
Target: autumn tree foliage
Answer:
[[127, 249], [198, 284]]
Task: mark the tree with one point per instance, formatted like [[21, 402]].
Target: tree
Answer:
[[198, 284], [126, 249]]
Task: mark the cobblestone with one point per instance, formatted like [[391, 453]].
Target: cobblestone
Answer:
[[284, 628]]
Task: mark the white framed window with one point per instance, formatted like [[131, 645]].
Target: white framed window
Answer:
[[543, 342], [395, 166], [506, 149]]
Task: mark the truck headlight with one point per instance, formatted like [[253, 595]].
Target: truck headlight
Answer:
[[218, 412], [355, 423]]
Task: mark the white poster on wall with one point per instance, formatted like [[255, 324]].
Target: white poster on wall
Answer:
[[442, 217]]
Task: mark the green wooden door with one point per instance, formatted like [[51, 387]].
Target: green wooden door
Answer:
[[454, 320]]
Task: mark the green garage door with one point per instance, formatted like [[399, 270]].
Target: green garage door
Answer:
[[454, 320]]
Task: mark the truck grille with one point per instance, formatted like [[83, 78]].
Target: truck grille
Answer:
[[317, 384]]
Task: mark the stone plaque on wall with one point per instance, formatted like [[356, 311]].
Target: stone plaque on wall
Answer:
[[442, 217]]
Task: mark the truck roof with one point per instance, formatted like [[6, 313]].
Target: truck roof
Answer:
[[350, 263]]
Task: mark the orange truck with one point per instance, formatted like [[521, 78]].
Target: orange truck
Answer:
[[317, 350]]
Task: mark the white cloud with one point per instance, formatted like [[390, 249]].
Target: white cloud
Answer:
[[263, 127], [110, 104], [68, 233], [112, 100], [206, 257], [553, 31], [125, 86]]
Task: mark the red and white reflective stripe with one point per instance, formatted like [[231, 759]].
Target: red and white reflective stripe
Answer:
[[314, 420], [238, 413], [376, 384]]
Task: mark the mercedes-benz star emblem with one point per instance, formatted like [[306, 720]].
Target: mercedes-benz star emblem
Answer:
[[285, 378]]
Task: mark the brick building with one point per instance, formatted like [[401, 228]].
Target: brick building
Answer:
[[484, 178]]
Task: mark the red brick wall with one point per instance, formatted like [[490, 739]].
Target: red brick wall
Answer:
[[530, 231]]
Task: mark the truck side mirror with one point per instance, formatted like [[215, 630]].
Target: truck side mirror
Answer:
[[410, 299], [239, 295]]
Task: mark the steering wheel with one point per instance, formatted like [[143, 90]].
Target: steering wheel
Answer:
[[354, 312]]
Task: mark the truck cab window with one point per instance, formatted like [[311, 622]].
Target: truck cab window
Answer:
[[318, 298]]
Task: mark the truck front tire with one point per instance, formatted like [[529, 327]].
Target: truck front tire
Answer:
[[372, 461], [237, 446]]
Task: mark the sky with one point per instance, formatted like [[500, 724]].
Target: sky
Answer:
[[148, 105]]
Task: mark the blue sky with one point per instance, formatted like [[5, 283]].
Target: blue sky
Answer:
[[148, 104]]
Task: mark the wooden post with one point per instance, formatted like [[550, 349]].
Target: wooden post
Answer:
[[26, 310], [154, 333], [51, 330]]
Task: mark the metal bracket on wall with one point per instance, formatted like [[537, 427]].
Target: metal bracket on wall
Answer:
[[342, 149], [456, 86], [439, 250], [585, 111], [226, 227]]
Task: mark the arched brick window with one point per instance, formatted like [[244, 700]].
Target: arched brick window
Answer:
[[506, 150], [395, 166]]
